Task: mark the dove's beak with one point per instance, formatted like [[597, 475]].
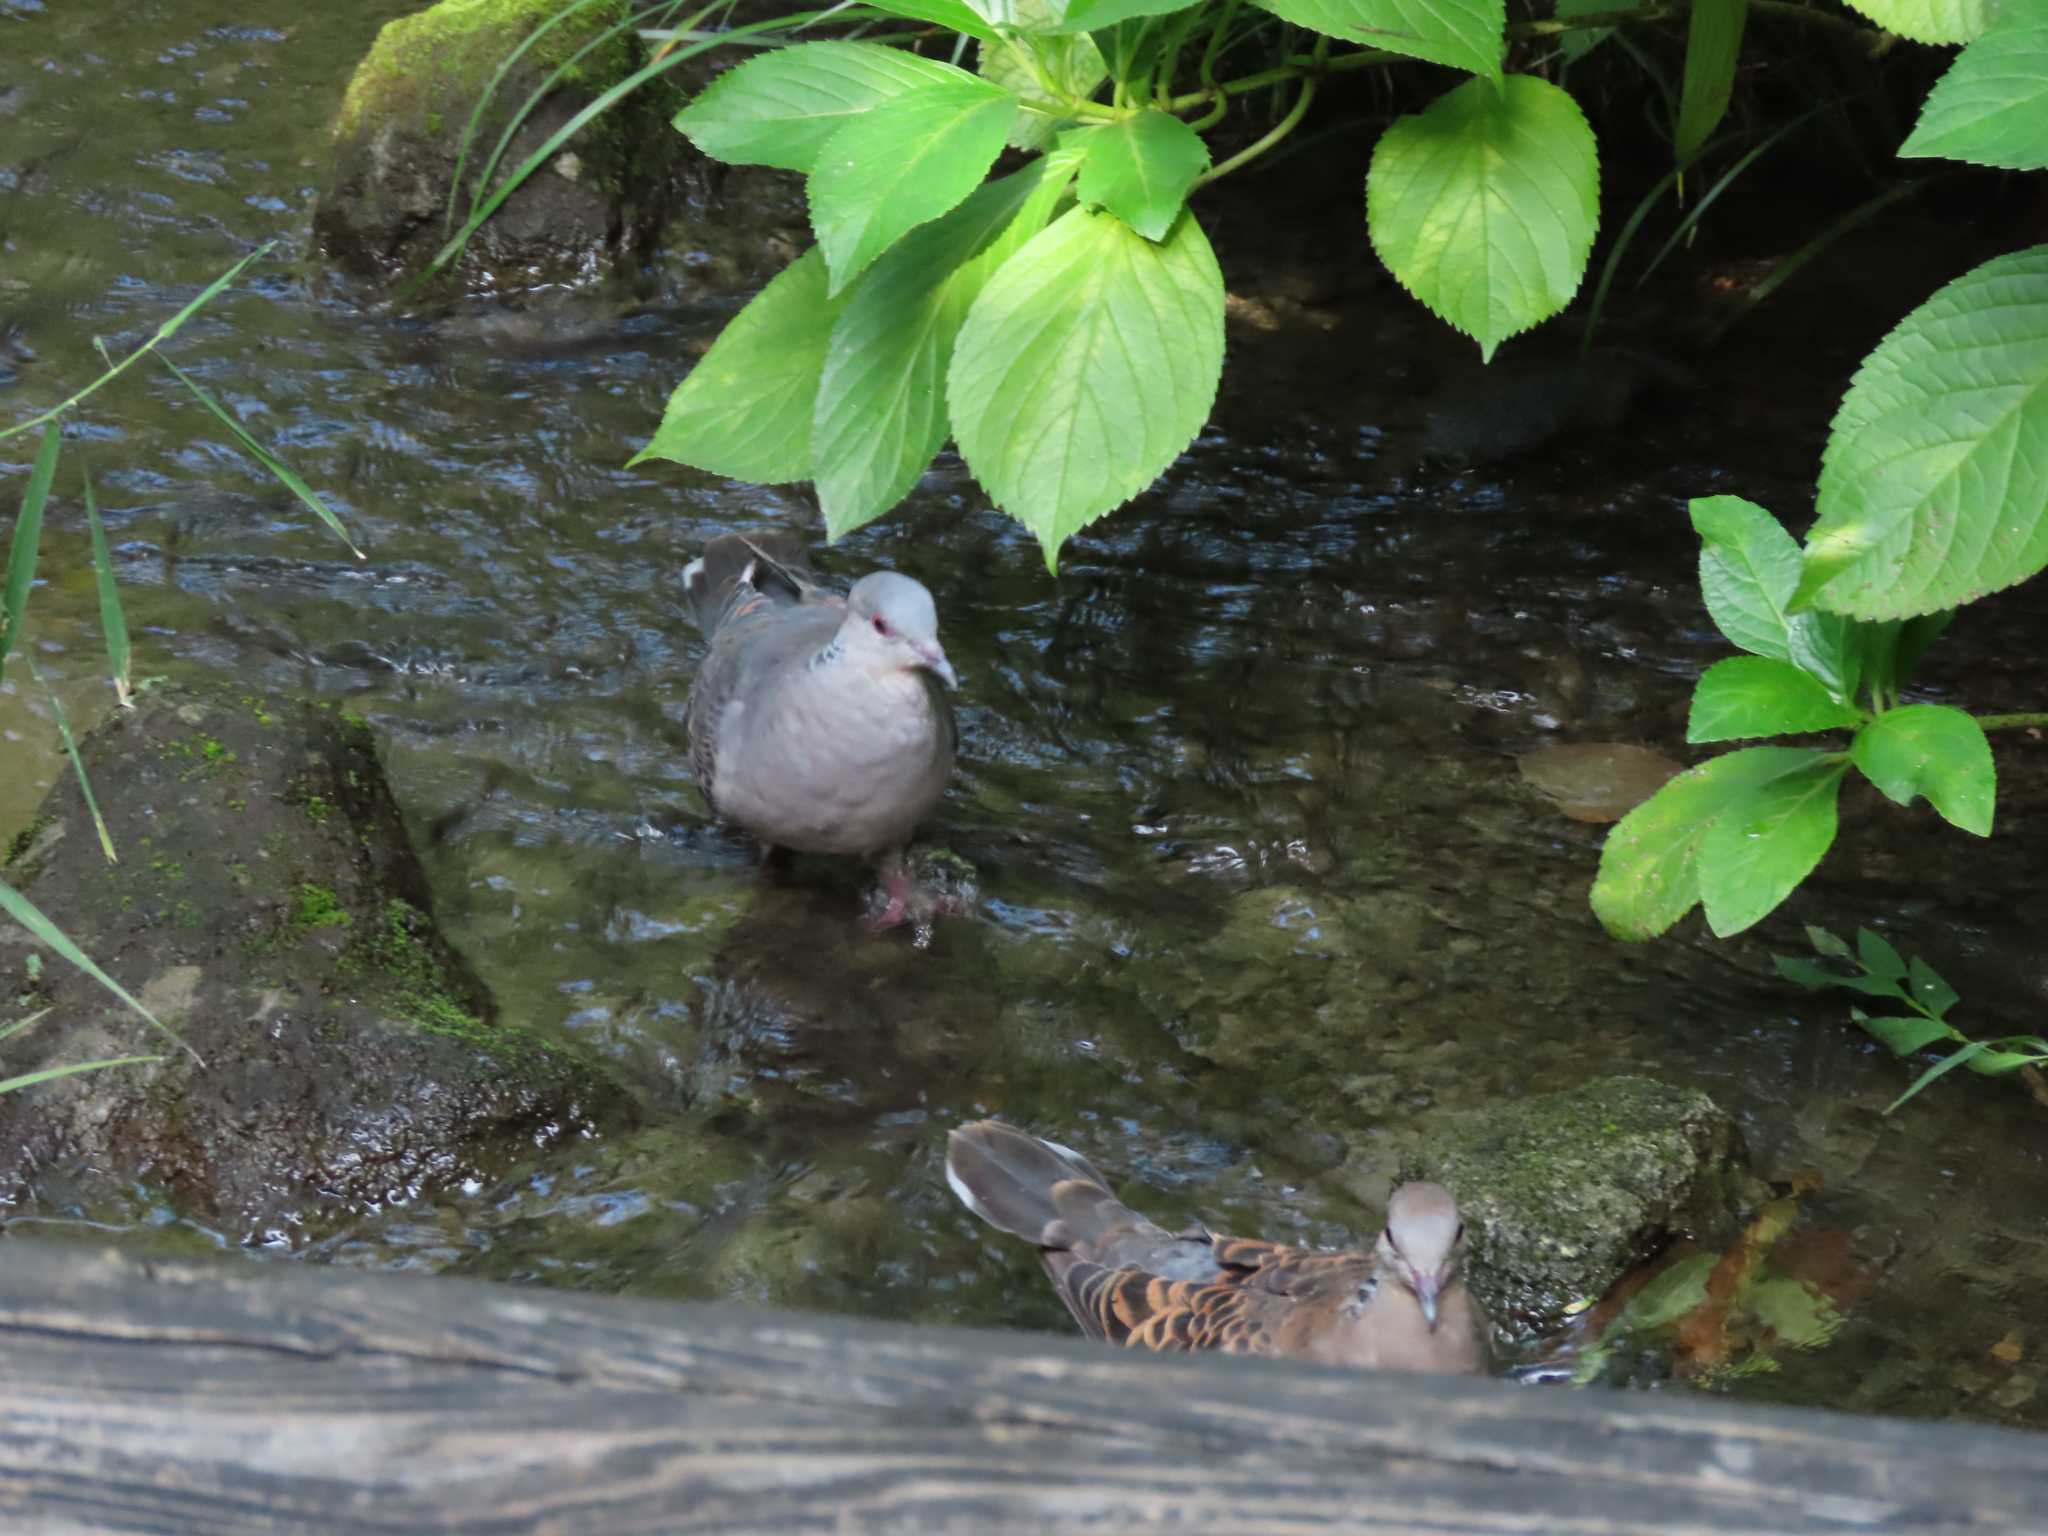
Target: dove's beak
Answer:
[[934, 659], [1426, 1288]]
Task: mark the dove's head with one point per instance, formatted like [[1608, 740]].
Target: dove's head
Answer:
[[1422, 1243], [891, 623]]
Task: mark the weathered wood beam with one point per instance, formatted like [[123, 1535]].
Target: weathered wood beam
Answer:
[[245, 1397]]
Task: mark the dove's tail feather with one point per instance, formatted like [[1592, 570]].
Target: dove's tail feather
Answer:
[[735, 566], [1037, 1190]]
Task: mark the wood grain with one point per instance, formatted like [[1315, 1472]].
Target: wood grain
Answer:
[[244, 1397]]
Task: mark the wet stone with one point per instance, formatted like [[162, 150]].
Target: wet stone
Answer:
[[269, 908], [1562, 1193]]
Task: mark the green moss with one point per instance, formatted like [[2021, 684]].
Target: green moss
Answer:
[[430, 67], [206, 754], [25, 839], [317, 810], [170, 869], [255, 707], [316, 906]]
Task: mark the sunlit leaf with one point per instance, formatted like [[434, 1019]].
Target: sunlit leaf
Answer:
[[1936, 751], [1484, 205], [779, 107], [1141, 168], [1931, 21], [1765, 843], [1748, 696], [1465, 34], [1991, 108], [1749, 569]]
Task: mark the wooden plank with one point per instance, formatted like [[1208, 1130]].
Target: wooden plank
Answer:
[[242, 1397]]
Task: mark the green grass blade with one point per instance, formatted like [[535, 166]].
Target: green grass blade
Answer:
[[25, 912], [1947, 1063], [270, 461], [84, 784], [163, 333], [30, 1079], [560, 73], [483, 100], [28, 537], [575, 125], [20, 1024], [112, 620], [1722, 183]]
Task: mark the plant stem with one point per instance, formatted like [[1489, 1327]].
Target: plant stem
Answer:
[[1281, 129], [2010, 722]]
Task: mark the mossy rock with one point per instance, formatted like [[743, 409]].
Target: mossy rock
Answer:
[[268, 907], [599, 201], [1564, 1192]]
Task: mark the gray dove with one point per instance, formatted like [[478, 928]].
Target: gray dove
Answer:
[[1401, 1307], [815, 720]]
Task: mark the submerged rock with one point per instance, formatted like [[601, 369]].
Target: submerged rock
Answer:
[[268, 907], [1515, 407], [599, 201], [1564, 1192]]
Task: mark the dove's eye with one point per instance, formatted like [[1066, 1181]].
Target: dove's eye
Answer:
[[882, 626]]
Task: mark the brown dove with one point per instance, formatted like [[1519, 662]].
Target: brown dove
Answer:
[[1401, 1307], [815, 720]]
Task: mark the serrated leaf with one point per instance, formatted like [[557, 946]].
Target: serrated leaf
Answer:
[[902, 162], [1934, 486], [1936, 751], [1484, 205], [1649, 876], [1764, 844], [745, 410], [1991, 108], [1713, 42], [1876, 955], [1905, 1036], [881, 404], [1072, 64], [1929, 990], [1141, 168], [1826, 943], [1931, 21], [1749, 569], [1086, 366], [780, 107], [1465, 34], [955, 15], [1748, 696]]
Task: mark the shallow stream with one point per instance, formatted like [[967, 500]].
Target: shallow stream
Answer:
[[1263, 891]]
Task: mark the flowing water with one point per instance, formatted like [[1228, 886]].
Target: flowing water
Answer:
[[1262, 891]]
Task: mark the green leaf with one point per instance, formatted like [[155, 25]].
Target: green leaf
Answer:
[[1915, 635], [1577, 44], [1713, 42], [47, 1074], [1996, 1063], [1141, 168], [1749, 569], [1877, 956], [1465, 34], [1086, 366], [1947, 1063], [1991, 108], [1754, 696], [881, 401], [1826, 943], [1649, 876], [1092, 15], [1931, 21], [1072, 65], [745, 409], [1929, 990], [1761, 847], [902, 162], [954, 15], [113, 621], [780, 107], [1934, 486], [1936, 751], [1484, 205], [28, 538], [1807, 974], [1905, 1036], [280, 471]]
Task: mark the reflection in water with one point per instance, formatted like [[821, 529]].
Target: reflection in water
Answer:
[[1263, 890]]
